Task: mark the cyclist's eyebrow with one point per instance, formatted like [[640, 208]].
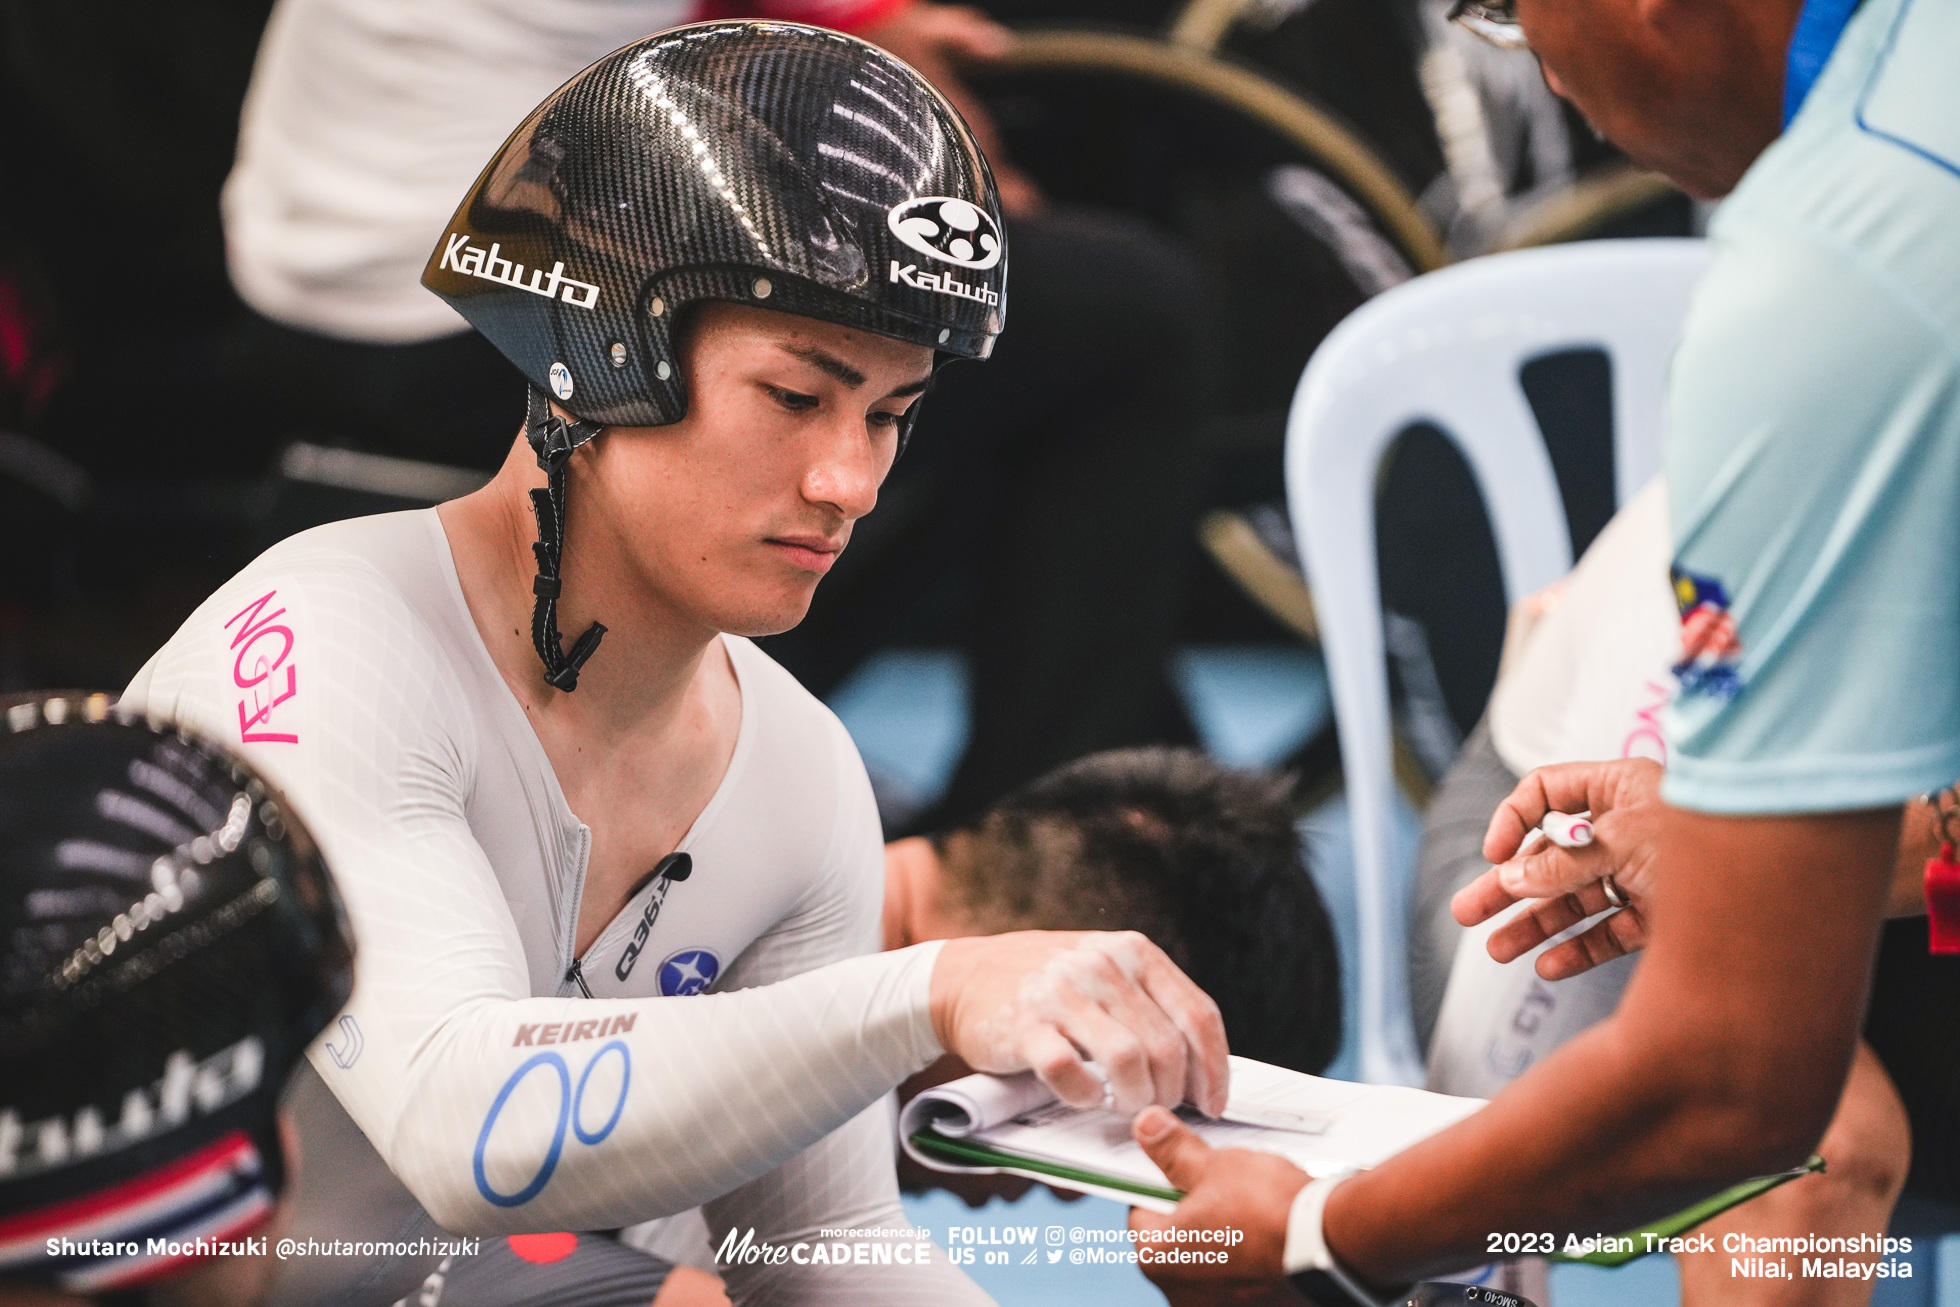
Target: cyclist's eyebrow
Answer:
[[827, 363], [832, 366]]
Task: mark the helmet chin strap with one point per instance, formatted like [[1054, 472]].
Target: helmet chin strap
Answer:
[[553, 439]]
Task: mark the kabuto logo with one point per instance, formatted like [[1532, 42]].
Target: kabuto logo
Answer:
[[949, 230], [943, 282], [187, 1088], [459, 255]]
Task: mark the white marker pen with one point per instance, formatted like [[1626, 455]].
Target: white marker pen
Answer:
[[1567, 831]]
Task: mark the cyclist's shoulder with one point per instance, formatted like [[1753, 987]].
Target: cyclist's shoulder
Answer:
[[788, 713], [384, 579], [356, 612], [801, 752]]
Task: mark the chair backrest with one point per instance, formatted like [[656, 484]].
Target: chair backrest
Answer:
[[1446, 349]]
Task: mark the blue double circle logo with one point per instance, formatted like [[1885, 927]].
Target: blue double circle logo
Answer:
[[571, 1113]]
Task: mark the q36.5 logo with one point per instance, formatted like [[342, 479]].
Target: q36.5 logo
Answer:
[[572, 1113], [949, 230]]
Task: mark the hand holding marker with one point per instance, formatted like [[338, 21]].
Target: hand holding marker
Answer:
[[1572, 831], [1567, 831]]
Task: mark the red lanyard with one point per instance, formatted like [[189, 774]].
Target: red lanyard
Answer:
[[1943, 886]]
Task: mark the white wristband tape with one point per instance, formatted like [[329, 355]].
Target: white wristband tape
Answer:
[[1306, 1250]]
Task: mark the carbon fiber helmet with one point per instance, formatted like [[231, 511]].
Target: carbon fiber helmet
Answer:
[[169, 944], [763, 163]]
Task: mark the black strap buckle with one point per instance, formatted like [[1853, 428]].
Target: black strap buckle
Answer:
[[555, 443], [553, 439]]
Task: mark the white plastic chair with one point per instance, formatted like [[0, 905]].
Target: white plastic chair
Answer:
[[1446, 349]]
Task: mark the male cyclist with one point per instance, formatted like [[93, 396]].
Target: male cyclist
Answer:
[[728, 258]]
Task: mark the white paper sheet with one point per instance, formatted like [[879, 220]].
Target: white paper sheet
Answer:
[[1333, 1125]]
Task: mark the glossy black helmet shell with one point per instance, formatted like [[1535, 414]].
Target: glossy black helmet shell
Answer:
[[765, 163]]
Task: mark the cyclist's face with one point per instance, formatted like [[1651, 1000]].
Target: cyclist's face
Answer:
[[1690, 88], [734, 513]]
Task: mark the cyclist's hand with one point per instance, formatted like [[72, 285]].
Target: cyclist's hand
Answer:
[[1056, 1000]]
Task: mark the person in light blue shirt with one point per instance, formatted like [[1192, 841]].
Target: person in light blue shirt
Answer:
[[1814, 441], [1814, 462]]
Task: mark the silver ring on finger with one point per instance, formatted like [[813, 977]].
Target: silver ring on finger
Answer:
[[1612, 891]]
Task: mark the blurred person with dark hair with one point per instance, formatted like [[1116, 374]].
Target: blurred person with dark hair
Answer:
[[170, 942], [1204, 860]]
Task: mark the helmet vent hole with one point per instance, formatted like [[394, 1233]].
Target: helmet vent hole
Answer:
[[762, 288]]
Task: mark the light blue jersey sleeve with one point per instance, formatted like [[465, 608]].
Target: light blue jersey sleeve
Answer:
[[1813, 451]]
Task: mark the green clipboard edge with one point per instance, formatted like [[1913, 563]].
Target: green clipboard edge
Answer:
[[972, 1154], [1689, 1217], [959, 1150]]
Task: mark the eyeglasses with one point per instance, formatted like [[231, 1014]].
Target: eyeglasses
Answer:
[[1494, 20]]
